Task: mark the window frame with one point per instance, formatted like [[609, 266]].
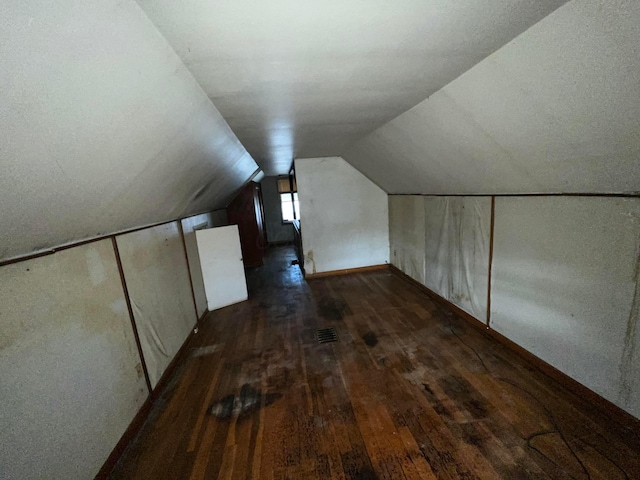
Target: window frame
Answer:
[[291, 190]]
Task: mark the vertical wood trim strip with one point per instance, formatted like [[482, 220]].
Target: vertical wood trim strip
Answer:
[[493, 220], [133, 322], [186, 256]]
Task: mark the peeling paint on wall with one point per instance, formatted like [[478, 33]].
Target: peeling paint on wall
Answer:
[[69, 365]]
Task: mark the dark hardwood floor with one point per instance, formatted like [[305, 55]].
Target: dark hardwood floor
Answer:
[[409, 390]]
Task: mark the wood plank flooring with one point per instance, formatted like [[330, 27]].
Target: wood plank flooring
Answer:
[[409, 391]]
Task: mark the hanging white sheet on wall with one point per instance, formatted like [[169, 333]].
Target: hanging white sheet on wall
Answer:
[[155, 269], [457, 235], [406, 222]]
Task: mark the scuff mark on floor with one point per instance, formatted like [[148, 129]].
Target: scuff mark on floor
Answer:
[[242, 404]]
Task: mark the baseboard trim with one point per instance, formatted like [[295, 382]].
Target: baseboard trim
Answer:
[[138, 421], [625, 420], [128, 436], [346, 271], [203, 316]]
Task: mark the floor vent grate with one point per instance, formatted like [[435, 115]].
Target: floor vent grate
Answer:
[[326, 335]]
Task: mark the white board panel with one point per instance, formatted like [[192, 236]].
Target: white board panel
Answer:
[[71, 378], [222, 267], [457, 233], [407, 235], [565, 287], [189, 226], [155, 269]]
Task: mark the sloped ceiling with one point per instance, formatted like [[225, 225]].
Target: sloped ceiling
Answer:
[[557, 110], [302, 78], [102, 128]]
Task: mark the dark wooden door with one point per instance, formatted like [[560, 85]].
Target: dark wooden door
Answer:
[[246, 211]]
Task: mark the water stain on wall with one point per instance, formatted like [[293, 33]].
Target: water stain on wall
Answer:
[[309, 258], [95, 267]]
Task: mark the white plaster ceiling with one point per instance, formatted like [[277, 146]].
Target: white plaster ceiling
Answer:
[[557, 110], [102, 128], [296, 78]]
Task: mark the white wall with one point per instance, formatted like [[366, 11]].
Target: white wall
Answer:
[[213, 219], [564, 276], [71, 379], [555, 110], [565, 287], [103, 128], [155, 269], [71, 376], [344, 217]]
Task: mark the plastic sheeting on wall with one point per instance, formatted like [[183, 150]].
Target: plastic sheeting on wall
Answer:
[[565, 286], [407, 235], [457, 235], [155, 269], [71, 379]]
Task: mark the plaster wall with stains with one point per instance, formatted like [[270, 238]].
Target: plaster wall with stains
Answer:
[[564, 278], [72, 375]]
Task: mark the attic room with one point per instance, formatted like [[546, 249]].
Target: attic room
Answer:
[[320, 240]]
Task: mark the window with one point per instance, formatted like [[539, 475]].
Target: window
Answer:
[[289, 203]]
